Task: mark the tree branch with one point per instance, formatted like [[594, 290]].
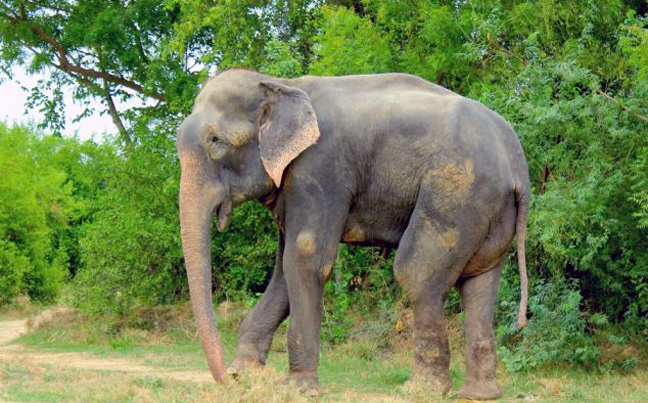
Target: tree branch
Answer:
[[115, 115], [138, 39], [105, 92], [503, 49], [625, 108], [65, 65]]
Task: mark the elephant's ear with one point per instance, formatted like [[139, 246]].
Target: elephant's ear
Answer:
[[288, 126]]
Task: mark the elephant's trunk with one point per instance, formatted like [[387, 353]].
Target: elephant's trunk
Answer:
[[195, 224]]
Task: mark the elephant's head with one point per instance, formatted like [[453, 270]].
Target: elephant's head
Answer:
[[244, 130]]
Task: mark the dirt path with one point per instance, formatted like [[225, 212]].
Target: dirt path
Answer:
[[11, 352], [11, 330]]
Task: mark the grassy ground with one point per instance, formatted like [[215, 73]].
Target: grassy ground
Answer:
[[40, 367]]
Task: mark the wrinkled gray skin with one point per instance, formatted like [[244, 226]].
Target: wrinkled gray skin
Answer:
[[388, 160]]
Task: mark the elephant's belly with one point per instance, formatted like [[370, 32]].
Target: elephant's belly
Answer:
[[378, 226]]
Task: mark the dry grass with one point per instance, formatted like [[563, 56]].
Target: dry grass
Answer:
[[21, 308], [26, 382], [164, 363]]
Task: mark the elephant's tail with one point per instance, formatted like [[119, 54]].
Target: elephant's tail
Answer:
[[522, 201]]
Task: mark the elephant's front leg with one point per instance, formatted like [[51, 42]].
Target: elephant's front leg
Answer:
[[308, 262], [258, 328]]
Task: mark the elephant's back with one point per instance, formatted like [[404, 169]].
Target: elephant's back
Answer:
[[366, 83], [396, 134]]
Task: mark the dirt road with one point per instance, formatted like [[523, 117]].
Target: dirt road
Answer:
[[12, 330]]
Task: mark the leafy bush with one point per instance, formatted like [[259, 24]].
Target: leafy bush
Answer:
[[35, 203], [131, 251], [243, 257], [12, 270], [362, 282], [349, 44], [583, 158], [555, 333]]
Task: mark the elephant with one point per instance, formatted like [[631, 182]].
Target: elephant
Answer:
[[389, 160]]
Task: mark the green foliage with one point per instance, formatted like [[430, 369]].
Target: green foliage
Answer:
[[244, 256], [12, 270], [429, 39], [281, 60], [362, 280], [130, 250], [640, 189], [337, 321], [557, 332], [37, 202], [583, 157], [349, 44]]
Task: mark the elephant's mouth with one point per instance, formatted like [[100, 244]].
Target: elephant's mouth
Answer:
[[223, 212]]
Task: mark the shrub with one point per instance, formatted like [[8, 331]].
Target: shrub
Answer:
[[130, 250], [35, 202], [555, 333], [12, 269]]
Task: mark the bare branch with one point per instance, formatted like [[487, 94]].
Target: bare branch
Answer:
[[115, 115]]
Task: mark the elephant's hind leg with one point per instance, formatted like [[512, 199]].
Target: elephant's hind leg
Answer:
[[430, 257], [478, 295], [478, 288]]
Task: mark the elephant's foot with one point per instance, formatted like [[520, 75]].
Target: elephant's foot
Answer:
[[237, 367], [427, 385], [434, 378], [307, 384], [480, 390], [246, 356]]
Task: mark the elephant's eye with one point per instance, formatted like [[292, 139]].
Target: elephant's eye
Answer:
[[217, 146]]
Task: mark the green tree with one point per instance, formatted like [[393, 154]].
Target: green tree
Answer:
[[349, 44], [35, 203]]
